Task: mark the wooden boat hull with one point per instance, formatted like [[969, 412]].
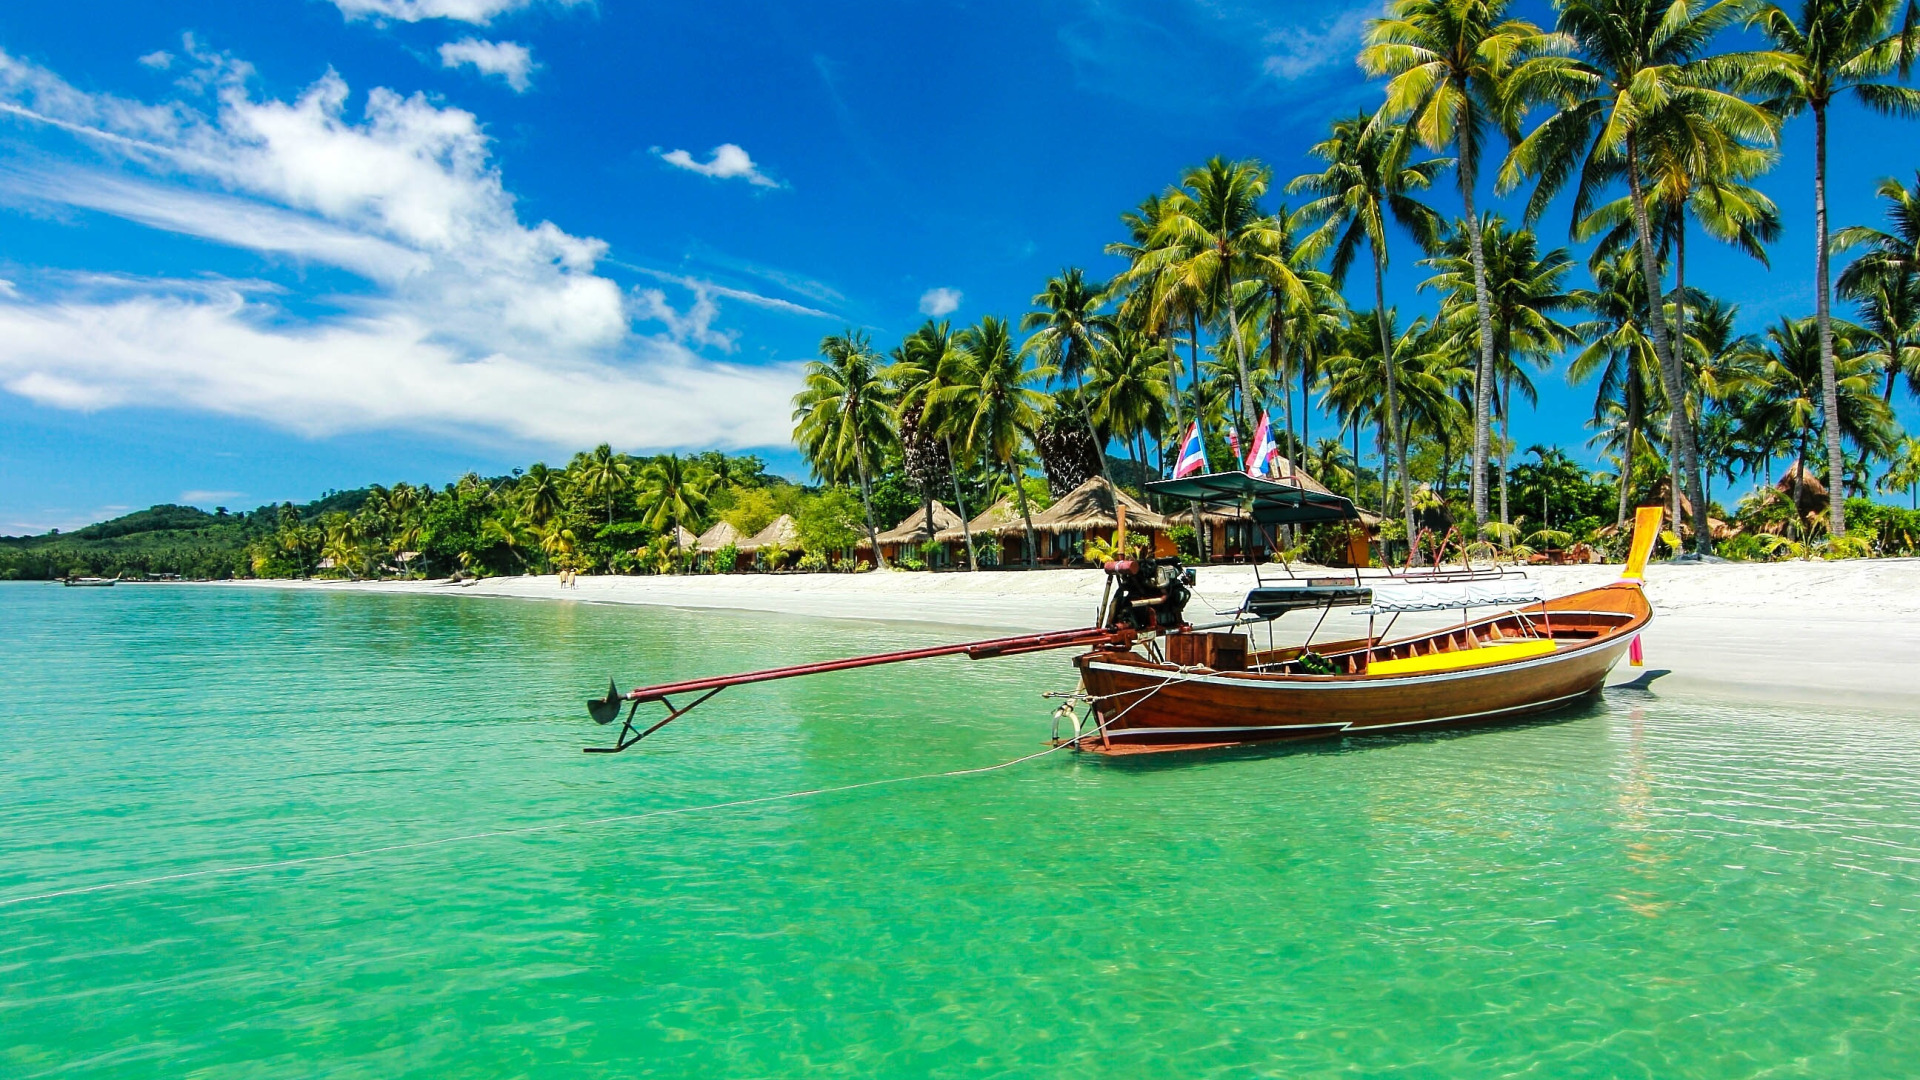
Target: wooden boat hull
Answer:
[[1142, 705]]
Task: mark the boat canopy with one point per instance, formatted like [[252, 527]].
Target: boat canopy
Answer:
[[1274, 503], [1444, 596]]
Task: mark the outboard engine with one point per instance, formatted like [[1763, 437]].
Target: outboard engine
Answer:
[[1148, 594]]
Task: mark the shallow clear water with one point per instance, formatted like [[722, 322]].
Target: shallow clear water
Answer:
[[1642, 888]]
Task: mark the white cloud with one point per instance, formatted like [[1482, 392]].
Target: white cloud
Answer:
[[938, 302], [191, 497], [235, 359], [475, 323], [478, 12], [1297, 51], [158, 60], [725, 162], [509, 60]]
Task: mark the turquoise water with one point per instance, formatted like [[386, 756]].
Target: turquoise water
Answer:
[[1643, 888]]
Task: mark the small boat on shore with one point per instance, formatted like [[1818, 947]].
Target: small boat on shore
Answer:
[[1205, 689], [1152, 681]]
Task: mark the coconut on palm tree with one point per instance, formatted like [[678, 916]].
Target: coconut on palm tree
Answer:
[[842, 417]]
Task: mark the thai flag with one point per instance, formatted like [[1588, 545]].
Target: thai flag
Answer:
[[1261, 456], [1193, 454]]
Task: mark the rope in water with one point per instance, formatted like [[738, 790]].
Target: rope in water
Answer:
[[282, 864]]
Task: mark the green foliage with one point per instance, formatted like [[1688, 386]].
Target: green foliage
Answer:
[[831, 521], [726, 559]]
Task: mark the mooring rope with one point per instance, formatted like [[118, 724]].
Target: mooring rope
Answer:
[[282, 864]]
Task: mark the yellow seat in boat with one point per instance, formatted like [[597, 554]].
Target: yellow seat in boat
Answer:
[[1464, 658]]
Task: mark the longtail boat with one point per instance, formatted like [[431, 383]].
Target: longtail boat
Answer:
[[1153, 681]]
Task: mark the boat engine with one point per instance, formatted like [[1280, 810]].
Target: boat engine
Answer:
[[1148, 594]]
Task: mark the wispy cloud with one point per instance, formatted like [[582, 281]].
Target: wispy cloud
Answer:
[[477, 12], [724, 162], [194, 498], [509, 60], [158, 60], [938, 302], [475, 324], [1299, 50]]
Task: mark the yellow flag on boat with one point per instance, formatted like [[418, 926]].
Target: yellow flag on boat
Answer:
[[1646, 528]]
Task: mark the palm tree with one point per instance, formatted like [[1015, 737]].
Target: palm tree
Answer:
[[1903, 470], [1791, 397], [1617, 349], [672, 494], [1836, 47], [841, 416], [1155, 296], [1446, 61], [539, 493], [992, 392], [603, 475], [924, 363], [1634, 59], [1367, 182], [1127, 389], [1214, 236], [1885, 279], [1067, 333], [1523, 291]]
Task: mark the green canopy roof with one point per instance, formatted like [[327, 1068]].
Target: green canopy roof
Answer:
[[1273, 503]]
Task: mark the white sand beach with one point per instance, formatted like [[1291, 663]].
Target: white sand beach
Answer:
[[1839, 633]]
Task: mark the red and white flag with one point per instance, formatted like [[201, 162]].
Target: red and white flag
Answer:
[[1260, 457], [1193, 454]]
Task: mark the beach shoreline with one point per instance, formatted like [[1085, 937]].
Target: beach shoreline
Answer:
[[1843, 634]]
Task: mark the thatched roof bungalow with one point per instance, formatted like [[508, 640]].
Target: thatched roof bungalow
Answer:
[[781, 532], [1089, 512], [911, 533], [716, 538]]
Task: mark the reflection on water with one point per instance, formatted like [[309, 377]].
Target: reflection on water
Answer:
[[1642, 886]]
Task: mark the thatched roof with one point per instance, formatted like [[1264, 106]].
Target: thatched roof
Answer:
[[1001, 515], [716, 538], [1286, 472], [780, 531], [913, 530], [683, 540], [1091, 506]]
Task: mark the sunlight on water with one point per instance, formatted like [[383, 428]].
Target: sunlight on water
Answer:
[[1645, 887]]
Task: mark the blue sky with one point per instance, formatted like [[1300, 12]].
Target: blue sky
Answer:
[[254, 251]]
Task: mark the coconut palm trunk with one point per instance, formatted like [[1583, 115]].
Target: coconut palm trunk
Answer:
[[1399, 435], [1240, 362], [1483, 318], [866, 502], [1506, 440], [1020, 496], [1201, 541], [1671, 376], [960, 503], [1829, 383]]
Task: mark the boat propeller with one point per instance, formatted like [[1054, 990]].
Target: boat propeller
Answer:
[[607, 709]]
